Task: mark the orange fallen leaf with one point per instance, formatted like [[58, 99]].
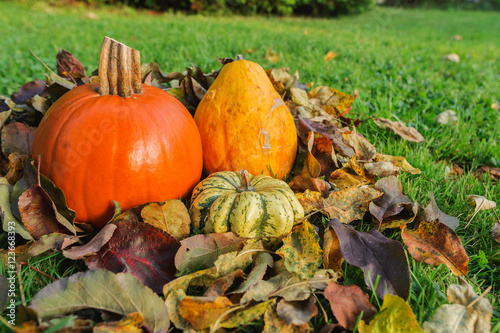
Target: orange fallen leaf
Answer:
[[329, 56], [203, 312], [332, 257], [435, 243]]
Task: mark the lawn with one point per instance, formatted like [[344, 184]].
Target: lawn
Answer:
[[392, 57]]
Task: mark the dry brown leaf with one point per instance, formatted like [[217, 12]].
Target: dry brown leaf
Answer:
[[495, 231], [494, 173], [346, 205], [304, 182], [381, 169], [344, 179], [467, 312], [347, 303], [407, 133], [17, 137], [297, 312], [398, 161], [273, 323], [481, 203], [332, 101], [222, 284], [272, 56], [16, 167], [365, 151], [329, 130], [433, 213]]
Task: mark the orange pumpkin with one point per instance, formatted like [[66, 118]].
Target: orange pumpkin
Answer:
[[244, 123], [128, 142]]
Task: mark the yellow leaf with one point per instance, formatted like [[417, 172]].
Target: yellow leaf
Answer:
[[395, 316], [356, 167], [301, 251], [398, 161], [244, 316], [171, 216], [329, 56], [344, 179], [310, 200]]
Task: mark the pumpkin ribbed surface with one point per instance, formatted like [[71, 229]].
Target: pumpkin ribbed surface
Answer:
[[244, 123], [133, 150], [270, 209]]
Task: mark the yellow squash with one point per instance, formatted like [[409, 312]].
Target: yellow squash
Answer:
[[244, 123]]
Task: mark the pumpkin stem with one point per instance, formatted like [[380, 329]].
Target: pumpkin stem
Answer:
[[245, 182], [119, 69]]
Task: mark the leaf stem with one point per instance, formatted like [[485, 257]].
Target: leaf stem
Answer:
[[38, 271], [215, 326], [21, 288]]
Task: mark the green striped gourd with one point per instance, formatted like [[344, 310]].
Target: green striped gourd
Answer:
[[251, 206]]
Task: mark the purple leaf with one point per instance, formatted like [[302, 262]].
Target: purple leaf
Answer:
[[392, 201], [140, 249], [27, 91], [377, 256]]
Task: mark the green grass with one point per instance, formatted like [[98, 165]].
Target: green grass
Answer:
[[391, 56]]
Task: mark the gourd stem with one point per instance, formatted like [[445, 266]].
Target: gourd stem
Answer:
[[119, 69], [245, 182]]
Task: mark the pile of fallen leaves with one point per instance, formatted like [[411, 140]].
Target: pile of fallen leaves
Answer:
[[148, 272]]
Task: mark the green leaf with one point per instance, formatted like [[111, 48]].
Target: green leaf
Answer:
[[10, 223], [119, 293]]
